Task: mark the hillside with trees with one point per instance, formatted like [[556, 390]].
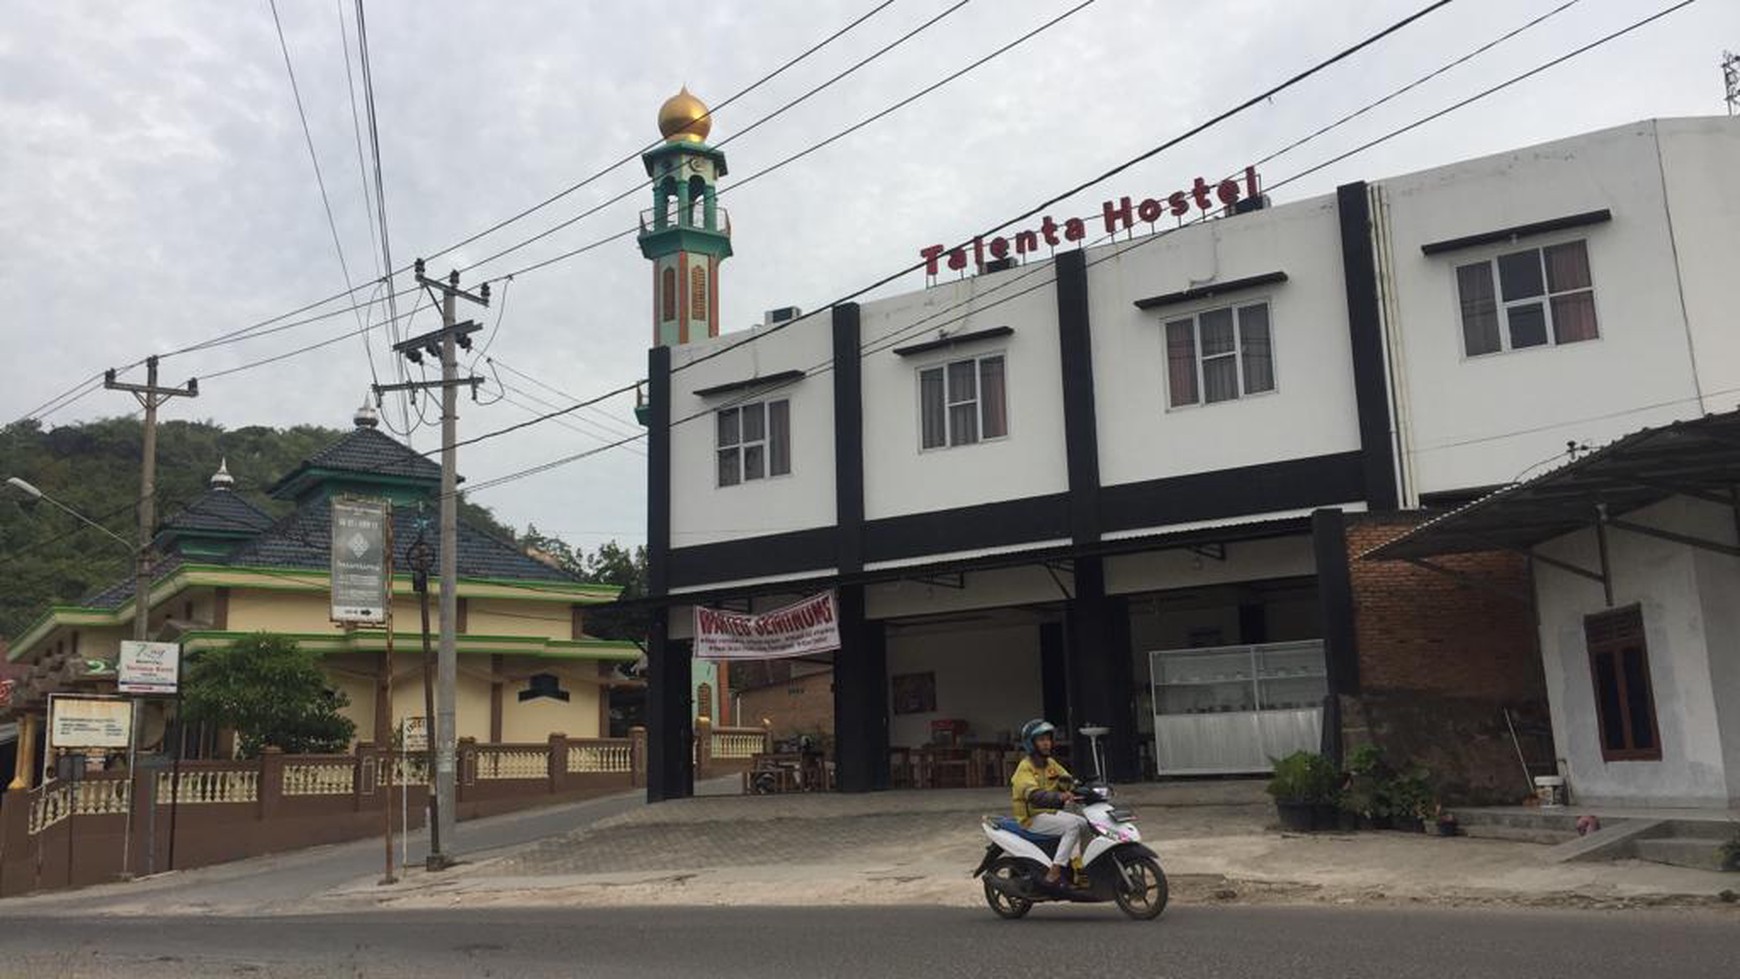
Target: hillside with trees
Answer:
[[49, 556]]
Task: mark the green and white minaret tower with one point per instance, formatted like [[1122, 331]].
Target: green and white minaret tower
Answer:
[[686, 234]]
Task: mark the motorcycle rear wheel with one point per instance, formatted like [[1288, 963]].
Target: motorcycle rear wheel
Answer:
[[1008, 871], [1147, 898]]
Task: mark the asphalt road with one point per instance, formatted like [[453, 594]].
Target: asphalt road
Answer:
[[724, 943]]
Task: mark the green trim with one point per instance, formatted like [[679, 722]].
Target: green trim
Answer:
[[682, 149], [660, 242]]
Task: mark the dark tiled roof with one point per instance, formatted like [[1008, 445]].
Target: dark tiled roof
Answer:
[[303, 540], [366, 450], [222, 512], [121, 592]]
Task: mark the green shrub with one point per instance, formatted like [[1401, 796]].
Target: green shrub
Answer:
[[1304, 777]]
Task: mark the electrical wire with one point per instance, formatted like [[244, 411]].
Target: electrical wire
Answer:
[[1516, 79], [599, 417], [392, 298]]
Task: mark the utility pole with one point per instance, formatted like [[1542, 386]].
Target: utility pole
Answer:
[[1731, 81], [149, 396], [444, 343]]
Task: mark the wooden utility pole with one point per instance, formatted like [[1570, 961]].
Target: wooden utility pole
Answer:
[[149, 396], [445, 344]]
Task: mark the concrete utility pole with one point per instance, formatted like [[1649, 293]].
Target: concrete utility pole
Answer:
[[150, 396], [444, 343]]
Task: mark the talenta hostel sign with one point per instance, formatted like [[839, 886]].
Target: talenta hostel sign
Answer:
[[1119, 215], [359, 561]]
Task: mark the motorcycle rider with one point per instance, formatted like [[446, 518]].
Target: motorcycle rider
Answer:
[[1039, 793]]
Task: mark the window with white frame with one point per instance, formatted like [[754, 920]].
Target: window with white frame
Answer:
[[962, 402], [1219, 355], [1530, 298], [754, 441]]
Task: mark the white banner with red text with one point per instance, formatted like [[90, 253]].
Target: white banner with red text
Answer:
[[809, 626]]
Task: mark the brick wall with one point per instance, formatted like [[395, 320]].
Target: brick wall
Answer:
[[1441, 661], [800, 705], [1420, 630]]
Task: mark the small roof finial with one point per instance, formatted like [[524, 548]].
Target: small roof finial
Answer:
[[366, 416], [222, 480]]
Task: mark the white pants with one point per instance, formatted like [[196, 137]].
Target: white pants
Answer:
[[1068, 826]]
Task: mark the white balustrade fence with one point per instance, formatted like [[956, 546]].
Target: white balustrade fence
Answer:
[[320, 778], [605, 757]]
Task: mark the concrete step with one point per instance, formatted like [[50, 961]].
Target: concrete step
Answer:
[[1521, 834], [1715, 830], [1698, 854]]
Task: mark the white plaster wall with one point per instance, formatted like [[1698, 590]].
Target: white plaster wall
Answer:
[[1662, 577], [703, 512], [1699, 158], [1276, 557], [1481, 421], [1312, 410], [898, 477], [998, 588], [1718, 586], [988, 677]]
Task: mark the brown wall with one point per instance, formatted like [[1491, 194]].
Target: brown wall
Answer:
[[1420, 630], [1440, 662], [801, 705]]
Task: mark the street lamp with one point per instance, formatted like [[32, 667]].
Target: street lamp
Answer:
[[141, 617], [36, 494]]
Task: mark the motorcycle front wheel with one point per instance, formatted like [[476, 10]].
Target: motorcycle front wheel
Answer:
[[1007, 872], [1143, 892]]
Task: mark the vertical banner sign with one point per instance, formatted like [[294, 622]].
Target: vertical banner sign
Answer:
[[359, 555], [809, 626], [149, 667]]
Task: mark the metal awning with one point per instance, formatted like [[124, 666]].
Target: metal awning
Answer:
[[1699, 458], [8, 733]]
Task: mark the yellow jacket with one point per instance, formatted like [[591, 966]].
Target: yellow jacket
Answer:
[[1030, 778]]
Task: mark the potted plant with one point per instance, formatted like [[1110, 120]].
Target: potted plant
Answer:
[[1362, 795], [1304, 783], [1730, 853], [1408, 799]]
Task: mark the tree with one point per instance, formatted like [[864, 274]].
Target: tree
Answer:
[[271, 692], [613, 564]]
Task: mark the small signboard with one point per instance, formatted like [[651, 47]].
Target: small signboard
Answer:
[[359, 560], [149, 667], [89, 722], [414, 733]]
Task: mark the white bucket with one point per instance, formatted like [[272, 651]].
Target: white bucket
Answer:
[[1550, 790]]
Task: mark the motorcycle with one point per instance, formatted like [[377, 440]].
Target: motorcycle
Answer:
[[1115, 865]]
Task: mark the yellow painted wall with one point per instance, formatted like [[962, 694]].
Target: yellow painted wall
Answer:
[[471, 700], [256, 610], [354, 675], [536, 720], [503, 617]]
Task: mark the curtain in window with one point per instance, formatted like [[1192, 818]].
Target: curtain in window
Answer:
[[1479, 309], [730, 458], [1567, 267], [1574, 317], [778, 438], [932, 409], [1220, 366], [1255, 348], [1181, 362], [994, 412], [963, 403]]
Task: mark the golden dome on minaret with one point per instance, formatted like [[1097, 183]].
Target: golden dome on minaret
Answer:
[[683, 119]]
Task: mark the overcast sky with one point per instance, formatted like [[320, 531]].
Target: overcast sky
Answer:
[[158, 191]]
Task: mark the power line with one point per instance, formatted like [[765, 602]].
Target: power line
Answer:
[[545, 467], [1114, 171], [388, 272], [368, 88], [558, 392], [776, 113]]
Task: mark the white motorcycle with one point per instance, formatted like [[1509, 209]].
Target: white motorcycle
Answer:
[[1115, 863]]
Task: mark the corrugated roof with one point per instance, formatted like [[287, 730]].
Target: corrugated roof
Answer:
[[1699, 457]]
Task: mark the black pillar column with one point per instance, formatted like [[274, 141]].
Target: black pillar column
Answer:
[[1054, 672], [670, 725], [1366, 342], [1335, 601], [861, 663], [1101, 676]]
